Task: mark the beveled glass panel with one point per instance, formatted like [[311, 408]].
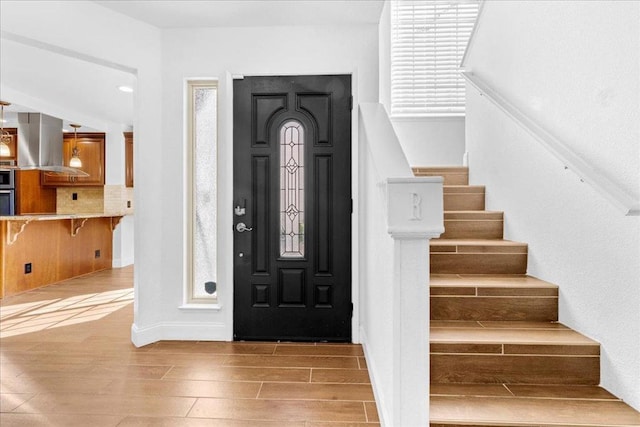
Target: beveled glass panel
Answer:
[[204, 191], [291, 140]]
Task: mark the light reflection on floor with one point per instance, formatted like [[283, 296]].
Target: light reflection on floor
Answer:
[[36, 316]]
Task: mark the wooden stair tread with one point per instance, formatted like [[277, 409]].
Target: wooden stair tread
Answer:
[[529, 411], [444, 169], [458, 175], [473, 215], [473, 242], [489, 281], [516, 324], [465, 189], [509, 335], [523, 390], [477, 246]]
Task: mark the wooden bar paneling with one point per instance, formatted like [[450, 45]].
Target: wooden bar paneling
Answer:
[[54, 254]]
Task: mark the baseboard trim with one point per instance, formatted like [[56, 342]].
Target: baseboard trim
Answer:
[[376, 382], [178, 331]]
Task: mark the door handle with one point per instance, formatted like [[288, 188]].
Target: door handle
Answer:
[[241, 227]]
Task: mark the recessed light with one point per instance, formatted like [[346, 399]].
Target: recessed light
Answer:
[[126, 89]]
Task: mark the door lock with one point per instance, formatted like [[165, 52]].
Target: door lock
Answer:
[[241, 227]]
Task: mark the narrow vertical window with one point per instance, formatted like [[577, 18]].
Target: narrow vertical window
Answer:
[[202, 122], [291, 140]]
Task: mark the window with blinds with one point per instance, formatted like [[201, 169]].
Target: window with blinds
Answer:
[[428, 40]]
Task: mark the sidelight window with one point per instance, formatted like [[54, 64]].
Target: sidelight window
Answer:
[[202, 159], [292, 237]]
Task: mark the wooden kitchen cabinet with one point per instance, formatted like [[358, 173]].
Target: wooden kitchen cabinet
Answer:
[[91, 148], [128, 158], [31, 197]]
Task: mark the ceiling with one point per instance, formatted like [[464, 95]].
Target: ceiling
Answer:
[[83, 92], [64, 87], [246, 13]]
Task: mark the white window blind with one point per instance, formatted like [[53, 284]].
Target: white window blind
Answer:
[[428, 40]]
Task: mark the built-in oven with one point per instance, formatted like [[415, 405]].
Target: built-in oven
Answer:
[[7, 192], [7, 202], [7, 179]]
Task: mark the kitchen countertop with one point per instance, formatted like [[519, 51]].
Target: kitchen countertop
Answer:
[[55, 217]]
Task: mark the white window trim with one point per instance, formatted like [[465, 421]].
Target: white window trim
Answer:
[[418, 31], [190, 302]]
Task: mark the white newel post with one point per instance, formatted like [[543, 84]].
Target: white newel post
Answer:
[[415, 215]]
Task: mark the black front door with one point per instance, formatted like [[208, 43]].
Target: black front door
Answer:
[[292, 208]]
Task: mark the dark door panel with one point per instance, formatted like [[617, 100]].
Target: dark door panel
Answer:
[[292, 177]]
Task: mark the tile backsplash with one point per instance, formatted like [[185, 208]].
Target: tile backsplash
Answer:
[[86, 200], [109, 200], [118, 200]]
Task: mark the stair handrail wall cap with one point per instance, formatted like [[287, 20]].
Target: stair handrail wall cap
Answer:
[[415, 207]]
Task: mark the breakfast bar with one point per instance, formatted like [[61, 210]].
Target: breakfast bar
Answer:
[[37, 250]]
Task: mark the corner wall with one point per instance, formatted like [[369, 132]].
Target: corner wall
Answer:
[[573, 67]]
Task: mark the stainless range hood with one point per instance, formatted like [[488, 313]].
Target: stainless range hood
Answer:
[[40, 144]]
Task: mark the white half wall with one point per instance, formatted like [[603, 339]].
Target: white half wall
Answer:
[[573, 67]]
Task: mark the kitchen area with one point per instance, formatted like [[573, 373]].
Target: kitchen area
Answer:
[[59, 214]]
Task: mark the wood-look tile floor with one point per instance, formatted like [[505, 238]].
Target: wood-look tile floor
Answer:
[[66, 359]]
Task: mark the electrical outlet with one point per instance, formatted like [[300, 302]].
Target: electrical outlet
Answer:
[[128, 203], [27, 268], [97, 253], [74, 196]]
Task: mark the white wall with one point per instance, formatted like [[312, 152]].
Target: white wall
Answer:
[[574, 67], [219, 53], [431, 141]]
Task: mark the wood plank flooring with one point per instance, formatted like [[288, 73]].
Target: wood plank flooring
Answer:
[[66, 359]]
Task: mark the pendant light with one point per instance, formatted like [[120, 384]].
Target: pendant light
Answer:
[[75, 161], [5, 150]]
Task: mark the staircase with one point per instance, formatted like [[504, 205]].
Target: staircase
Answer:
[[499, 357]]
